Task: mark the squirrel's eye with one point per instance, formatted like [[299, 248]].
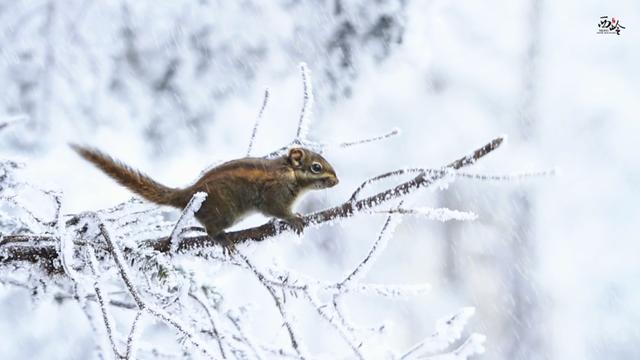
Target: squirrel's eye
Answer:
[[316, 168]]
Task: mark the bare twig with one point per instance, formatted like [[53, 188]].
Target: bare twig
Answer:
[[448, 330]]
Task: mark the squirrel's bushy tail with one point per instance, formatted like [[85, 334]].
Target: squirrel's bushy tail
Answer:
[[132, 179]]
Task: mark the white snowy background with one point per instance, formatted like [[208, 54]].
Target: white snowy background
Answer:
[[551, 265]]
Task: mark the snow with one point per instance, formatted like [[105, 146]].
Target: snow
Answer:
[[173, 88], [187, 216]]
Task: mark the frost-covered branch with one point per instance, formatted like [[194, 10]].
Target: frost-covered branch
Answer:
[[187, 215], [393, 132], [345, 210], [46, 254], [160, 314], [307, 104], [295, 343], [381, 242], [254, 132], [439, 214], [210, 315], [102, 301], [133, 335], [448, 330]]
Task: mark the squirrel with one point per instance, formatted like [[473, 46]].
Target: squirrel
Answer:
[[234, 189]]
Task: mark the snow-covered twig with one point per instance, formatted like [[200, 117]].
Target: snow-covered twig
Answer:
[[383, 237], [48, 255], [473, 345], [295, 343], [393, 132], [240, 332], [258, 120], [214, 328], [448, 330], [187, 214], [344, 334], [386, 290], [142, 305], [307, 104], [133, 335], [102, 301], [439, 214], [506, 177], [377, 178], [60, 249], [447, 171]]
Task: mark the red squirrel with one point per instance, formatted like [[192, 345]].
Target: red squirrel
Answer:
[[234, 189]]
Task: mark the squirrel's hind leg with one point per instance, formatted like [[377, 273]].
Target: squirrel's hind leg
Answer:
[[215, 227]]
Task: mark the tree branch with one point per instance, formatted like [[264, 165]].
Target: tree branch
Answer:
[[347, 209], [21, 247]]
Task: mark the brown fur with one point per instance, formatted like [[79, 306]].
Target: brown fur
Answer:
[[233, 189], [132, 179]]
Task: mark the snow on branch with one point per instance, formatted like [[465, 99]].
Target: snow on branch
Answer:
[[378, 246], [149, 263], [252, 139], [301, 138], [439, 214], [307, 104], [187, 215], [14, 249], [393, 132], [448, 330]]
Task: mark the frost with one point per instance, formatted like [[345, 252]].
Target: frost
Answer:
[[252, 139], [474, 345], [398, 291], [129, 257], [307, 104], [439, 214], [187, 215], [507, 177], [393, 132], [448, 330], [377, 248]]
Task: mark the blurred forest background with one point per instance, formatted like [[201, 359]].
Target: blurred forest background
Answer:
[[171, 87]]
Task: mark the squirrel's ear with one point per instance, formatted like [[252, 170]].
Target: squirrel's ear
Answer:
[[296, 156]]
